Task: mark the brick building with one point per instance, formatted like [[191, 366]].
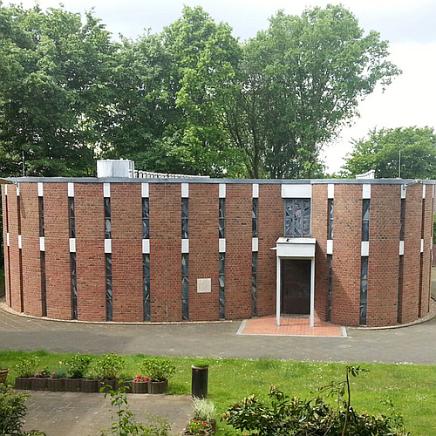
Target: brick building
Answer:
[[353, 252]]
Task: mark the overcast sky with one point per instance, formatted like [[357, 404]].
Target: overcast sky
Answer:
[[409, 25]]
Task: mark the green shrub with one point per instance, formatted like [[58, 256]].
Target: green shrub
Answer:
[[12, 412], [158, 369], [204, 410], [77, 365], [283, 416], [26, 366], [109, 366]]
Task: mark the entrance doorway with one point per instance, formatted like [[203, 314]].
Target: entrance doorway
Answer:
[[295, 284]]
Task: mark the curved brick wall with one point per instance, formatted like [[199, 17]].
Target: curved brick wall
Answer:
[[39, 271]]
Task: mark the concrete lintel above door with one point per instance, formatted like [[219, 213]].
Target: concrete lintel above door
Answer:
[[295, 247]]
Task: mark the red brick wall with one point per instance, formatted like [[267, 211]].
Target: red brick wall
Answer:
[[57, 256], [31, 258], [13, 249], [319, 232], [384, 237], [91, 286], [238, 233], [271, 223], [165, 252], [5, 247], [346, 254], [412, 245], [428, 244], [127, 271], [203, 250]]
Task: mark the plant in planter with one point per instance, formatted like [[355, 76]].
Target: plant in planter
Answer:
[[25, 368], [140, 384], [76, 367], [203, 422], [159, 371], [56, 382], [3, 375], [108, 368], [39, 381]]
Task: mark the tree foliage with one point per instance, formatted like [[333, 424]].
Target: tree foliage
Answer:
[[409, 152], [191, 98]]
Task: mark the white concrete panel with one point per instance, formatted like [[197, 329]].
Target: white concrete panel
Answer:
[[40, 189], [204, 286], [366, 191], [70, 189], [185, 245], [222, 245], [403, 191], [255, 244], [222, 190], [401, 248], [146, 246], [295, 247], [72, 245], [108, 246], [423, 190], [41, 243], [106, 190], [7, 239], [20, 241], [364, 248], [6, 189], [329, 246], [185, 190], [18, 189], [422, 245], [255, 190], [297, 190], [331, 190], [144, 190]]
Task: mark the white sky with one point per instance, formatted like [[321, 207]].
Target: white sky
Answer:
[[409, 25]]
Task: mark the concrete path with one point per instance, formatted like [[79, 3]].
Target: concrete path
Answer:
[[73, 414], [410, 344]]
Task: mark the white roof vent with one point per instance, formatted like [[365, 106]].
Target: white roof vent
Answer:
[[368, 175], [115, 168]]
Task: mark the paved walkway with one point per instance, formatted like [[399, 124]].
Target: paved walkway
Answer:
[[73, 414], [411, 344]]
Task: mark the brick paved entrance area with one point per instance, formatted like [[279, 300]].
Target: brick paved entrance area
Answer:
[[290, 326]]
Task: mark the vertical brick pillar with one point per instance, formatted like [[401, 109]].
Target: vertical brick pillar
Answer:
[[91, 285], [346, 254], [57, 255], [319, 232], [271, 227], [30, 251], [127, 269], [203, 250], [238, 251], [428, 245], [5, 246], [412, 246], [13, 249], [384, 240], [165, 252]]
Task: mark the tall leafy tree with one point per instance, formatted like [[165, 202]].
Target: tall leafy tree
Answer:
[[300, 81], [409, 152]]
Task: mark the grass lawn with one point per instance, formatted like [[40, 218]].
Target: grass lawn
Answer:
[[411, 388]]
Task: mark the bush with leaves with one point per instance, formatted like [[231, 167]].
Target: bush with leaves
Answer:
[[109, 366], [283, 416], [125, 423], [77, 365], [12, 412], [158, 369], [26, 366]]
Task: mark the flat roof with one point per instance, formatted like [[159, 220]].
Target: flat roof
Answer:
[[213, 181]]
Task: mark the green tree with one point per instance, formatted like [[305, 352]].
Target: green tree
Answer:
[[300, 81], [56, 72], [413, 148]]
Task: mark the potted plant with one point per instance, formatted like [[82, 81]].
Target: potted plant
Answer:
[[39, 380], [203, 422], [3, 375], [56, 382], [76, 367], [140, 384], [159, 371], [25, 369], [108, 368]]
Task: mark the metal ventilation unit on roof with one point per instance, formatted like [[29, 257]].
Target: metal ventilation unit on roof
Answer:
[[368, 175], [115, 168]]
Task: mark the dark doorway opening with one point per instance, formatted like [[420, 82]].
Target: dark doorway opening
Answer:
[[295, 286]]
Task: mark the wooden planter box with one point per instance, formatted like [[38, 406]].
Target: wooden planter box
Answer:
[[3, 375], [158, 387], [23, 383], [73, 384], [38, 383], [140, 387], [56, 384], [107, 384], [89, 385]]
